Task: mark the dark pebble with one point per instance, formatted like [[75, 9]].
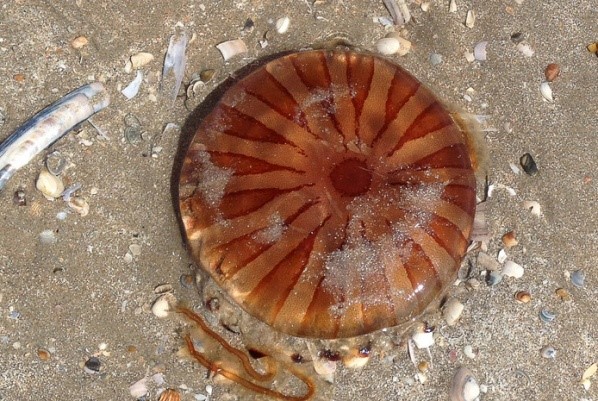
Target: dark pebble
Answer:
[[93, 365], [528, 164]]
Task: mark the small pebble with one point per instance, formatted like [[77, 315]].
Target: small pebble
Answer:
[[47, 237], [435, 58], [563, 294], [92, 365], [534, 208], [452, 311], [282, 24], [552, 71], [469, 352], [79, 42], [493, 278], [19, 198], [388, 46], [423, 339], [512, 269], [528, 164], [140, 59], [187, 281]]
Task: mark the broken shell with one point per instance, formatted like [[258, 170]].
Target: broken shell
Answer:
[[552, 71], [139, 388], [590, 371], [534, 207], [47, 237], [79, 42], [49, 185], [453, 6], [546, 91], [469, 352], [548, 352], [325, 368], [161, 306], [388, 46], [435, 58], [356, 359], [593, 48], [509, 239], [79, 205], [232, 48], [563, 294], [43, 355], [577, 278], [464, 386], [493, 278], [207, 75], [163, 289], [525, 49], [502, 256], [547, 316], [282, 24], [452, 311], [470, 19], [140, 59], [528, 164], [423, 339], [512, 269], [523, 297], [479, 51]]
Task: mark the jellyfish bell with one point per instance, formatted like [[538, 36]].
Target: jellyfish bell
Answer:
[[330, 194]]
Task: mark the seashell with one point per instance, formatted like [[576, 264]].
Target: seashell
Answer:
[[356, 359], [140, 59], [512, 269], [388, 46], [170, 395], [563, 294], [509, 239], [399, 11], [43, 354], [547, 316], [525, 49], [479, 51], [425, 6], [590, 371], [464, 386], [282, 24], [257, 184], [534, 207], [528, 164], [546, 91], [502, 256], [552, 71], [470, 19], [469, 352], [453, 6], [423, 339], [523, 297], [578, 278], [452, 311], [593, 48], [175, 60], [139, 388], [548, 352], [405, 45], [232, 48], [49, 185], [162, 305], [79, 205], [133, 88]]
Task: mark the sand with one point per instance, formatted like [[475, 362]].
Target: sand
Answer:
[[81, 297]]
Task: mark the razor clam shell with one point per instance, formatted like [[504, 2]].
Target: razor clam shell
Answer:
[[49, 125]]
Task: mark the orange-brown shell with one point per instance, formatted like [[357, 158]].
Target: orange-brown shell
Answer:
[[330, 194]]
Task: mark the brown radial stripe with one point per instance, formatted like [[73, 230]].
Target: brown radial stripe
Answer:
[[244, 165], [342, 94], [360, 72], [235, 204], [421, 272]]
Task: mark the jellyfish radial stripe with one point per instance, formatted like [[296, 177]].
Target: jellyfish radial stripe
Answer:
[[330, 193]]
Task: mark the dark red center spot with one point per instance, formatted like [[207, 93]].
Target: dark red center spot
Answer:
[[351, 177]]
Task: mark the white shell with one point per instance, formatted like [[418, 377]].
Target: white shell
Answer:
[[534, 207], [464, 386], [423, 339], [139, 388], [49, 184], [282, 24], [231, 48], [161, 307], [525, 49], [355, 361], [133, 88], [590, 371], [470, 19], [546, 91], [479, 51], [452, 311], [502, 256], [453, 6], [512, 269], [140, 59], [388, 46]]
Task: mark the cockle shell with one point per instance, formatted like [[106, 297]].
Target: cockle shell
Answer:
[[330, 194]]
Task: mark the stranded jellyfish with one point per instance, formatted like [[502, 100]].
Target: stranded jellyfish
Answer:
[[330, 194]]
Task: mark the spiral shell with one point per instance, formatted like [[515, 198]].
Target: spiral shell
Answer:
[[330, 194]]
